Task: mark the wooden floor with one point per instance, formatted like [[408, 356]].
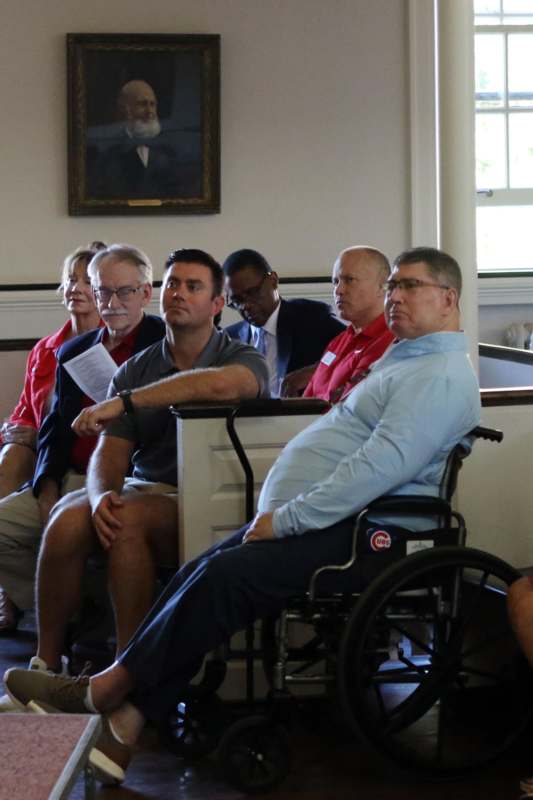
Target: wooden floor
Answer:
[[326, 766]]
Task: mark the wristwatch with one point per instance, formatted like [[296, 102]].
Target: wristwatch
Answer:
[[125, 396]]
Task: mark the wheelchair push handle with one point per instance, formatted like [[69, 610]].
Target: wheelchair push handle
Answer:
[[491, 434]]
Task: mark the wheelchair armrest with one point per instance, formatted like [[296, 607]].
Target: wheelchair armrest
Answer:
[[409, 504]]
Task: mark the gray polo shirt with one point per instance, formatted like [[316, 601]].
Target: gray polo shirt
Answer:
[[153, 431]]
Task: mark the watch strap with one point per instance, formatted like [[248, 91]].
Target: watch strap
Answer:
[[125, 396]]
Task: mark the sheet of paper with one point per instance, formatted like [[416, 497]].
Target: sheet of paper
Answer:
[[92, 371]]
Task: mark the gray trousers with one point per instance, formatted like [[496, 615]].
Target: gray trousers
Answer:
[[20, 539]]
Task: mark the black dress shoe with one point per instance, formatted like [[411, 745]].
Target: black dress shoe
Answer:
[[9, 614]]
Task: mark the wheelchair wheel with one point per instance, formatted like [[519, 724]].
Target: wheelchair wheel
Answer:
[[254, 754], [429, 671], [193, 729]]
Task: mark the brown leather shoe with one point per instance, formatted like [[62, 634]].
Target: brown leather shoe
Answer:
[[9, 614], [109, 758]]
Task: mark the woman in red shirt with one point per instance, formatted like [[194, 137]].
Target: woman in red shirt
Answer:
[[19, 432]]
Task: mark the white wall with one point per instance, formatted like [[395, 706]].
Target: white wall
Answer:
[[493, 320], [314, 130], [494, 491]]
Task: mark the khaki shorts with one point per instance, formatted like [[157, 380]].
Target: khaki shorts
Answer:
[[131, 485]]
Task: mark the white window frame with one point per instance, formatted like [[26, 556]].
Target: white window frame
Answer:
[[518, 287], [488, 195]]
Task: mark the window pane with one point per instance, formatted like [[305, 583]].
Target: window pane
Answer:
[[489, 55], [490, 151], [505, 238], [489, 11], [521, 150], [507, 12], [521, 70], [518, 6], [487, 6]]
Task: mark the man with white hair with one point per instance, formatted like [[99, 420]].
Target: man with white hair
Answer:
[[144, 161], [121, 277], [137, 105]]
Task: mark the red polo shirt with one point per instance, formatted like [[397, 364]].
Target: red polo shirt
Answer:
[[84, 445], [347, 359], [34, 402]]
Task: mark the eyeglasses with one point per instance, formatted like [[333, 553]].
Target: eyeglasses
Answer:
[[104, 295], [410, 285], [238, 301]]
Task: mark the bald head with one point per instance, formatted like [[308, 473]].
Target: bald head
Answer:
[[137, 106], [358, 277]]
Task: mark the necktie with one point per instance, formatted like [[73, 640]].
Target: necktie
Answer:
[[265, 343], [261, 342]]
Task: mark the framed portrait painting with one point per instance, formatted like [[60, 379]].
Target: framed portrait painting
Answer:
[[143, 123]]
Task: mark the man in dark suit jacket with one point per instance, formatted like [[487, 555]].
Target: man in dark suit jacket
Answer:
[[291, 334], [122, 282]]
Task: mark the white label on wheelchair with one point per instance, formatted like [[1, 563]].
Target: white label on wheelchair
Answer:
[[418, 544]]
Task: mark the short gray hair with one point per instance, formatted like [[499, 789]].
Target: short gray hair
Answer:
[[440, 265], [123, 252]]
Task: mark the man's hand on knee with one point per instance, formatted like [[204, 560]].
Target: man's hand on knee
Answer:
[[105, 519], [260, 529]]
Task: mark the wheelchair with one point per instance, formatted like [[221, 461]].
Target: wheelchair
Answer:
[[409, 639]]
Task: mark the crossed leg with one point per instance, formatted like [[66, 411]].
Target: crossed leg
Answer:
[[211, 597], [148, 537]]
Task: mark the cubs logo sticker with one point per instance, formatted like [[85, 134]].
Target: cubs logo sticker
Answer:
[[380, 540]]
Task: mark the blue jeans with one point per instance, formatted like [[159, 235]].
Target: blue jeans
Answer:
[[214, 596]]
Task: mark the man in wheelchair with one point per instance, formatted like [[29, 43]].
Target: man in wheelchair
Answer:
[[391, 435]]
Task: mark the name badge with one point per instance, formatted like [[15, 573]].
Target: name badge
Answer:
[[328, 358]]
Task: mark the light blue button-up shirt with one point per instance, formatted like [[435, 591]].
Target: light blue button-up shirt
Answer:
[[391, 435]]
